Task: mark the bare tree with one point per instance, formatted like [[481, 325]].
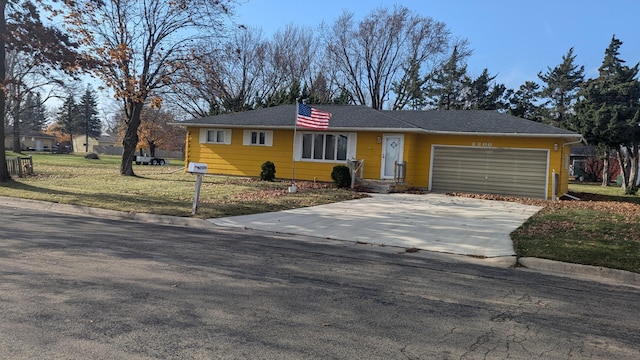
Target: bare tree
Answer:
[[291, 57], [373, 54], [140, 46], [223, 78]]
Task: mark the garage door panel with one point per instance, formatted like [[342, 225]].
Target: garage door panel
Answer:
[[516, 172]]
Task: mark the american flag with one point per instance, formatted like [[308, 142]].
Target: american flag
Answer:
[[312, 118]]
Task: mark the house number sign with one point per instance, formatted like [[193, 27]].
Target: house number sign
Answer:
[[482, 144]]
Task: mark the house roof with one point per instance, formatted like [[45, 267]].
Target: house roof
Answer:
[[359, 118], [584, 151], [29, 133]]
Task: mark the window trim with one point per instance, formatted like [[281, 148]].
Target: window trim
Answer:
[[247, 137], [204, 136]]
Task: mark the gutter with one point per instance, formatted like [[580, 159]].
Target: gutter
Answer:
[[394, 130], [581, 141]]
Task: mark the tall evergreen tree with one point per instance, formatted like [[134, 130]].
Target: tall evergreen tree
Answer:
[[34, 114], [410, 89], [523, 102], [69, 120], [448, 83], [561, 85], [91, 124], [608, 114], [484, 94], [344, 97]]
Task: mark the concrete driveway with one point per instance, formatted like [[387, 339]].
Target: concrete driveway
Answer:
[[432, 222]]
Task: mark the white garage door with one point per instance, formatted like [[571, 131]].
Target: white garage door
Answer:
[[514, 172]]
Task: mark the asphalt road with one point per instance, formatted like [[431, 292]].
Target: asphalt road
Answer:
[[74, 287]]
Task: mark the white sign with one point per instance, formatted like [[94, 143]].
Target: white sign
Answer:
[[198, 168]]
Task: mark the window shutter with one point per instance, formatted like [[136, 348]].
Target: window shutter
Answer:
[[246, 137], [227, 137], [268, 138], [203, 136], [351, 145]]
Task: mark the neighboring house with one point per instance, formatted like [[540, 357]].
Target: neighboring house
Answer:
[[32, 141], [579, 157], [437, 150], [105, 140]]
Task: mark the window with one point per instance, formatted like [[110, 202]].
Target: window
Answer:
[[258, 138], [327, 146], [215, 136]]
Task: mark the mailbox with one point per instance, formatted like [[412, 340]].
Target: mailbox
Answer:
[[197, 168]]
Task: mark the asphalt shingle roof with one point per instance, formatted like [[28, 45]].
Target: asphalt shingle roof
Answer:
[[350, 117]]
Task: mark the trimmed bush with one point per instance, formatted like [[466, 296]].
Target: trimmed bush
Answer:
[[341, 176], [268, 172]]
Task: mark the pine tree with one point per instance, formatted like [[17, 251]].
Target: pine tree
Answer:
[[482, 94], [523, 102], [410, 89], [91, 124], [448, 83], [70, 120], [608, 114], [34, 114], [561, 89]]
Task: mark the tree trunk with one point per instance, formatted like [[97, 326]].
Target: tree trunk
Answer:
[[4, 172], [605, 169], [17, 146], [152, 149], [130, 140], [624, 170], [629, 167]]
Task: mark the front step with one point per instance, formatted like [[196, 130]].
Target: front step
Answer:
[[380, 186]]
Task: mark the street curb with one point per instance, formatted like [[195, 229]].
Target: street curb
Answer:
[[104, 213], [596, 273]]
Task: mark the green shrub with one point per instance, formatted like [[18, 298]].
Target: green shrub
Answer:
[[268, 172], [341, 176]]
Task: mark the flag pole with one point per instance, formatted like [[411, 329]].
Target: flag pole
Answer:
[[292, 188]]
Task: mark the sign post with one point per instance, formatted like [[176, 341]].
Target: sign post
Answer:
[[198, 169]]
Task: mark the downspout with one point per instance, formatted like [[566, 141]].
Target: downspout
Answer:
[[580, 141]]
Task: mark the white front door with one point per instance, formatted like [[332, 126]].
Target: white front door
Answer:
[[392, 151]]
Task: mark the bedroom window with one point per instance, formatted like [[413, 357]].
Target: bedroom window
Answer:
[[215, 136], [257, 138]]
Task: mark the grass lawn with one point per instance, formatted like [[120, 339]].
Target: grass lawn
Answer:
[[167, 190], [603, 229]]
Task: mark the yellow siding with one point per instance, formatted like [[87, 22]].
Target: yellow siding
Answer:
[[238, 159], [245, 160], [370, 150]]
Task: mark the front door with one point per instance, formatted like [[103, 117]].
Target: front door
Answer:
[[392, 151]]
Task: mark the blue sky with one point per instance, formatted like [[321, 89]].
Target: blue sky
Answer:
[[513, 39]]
